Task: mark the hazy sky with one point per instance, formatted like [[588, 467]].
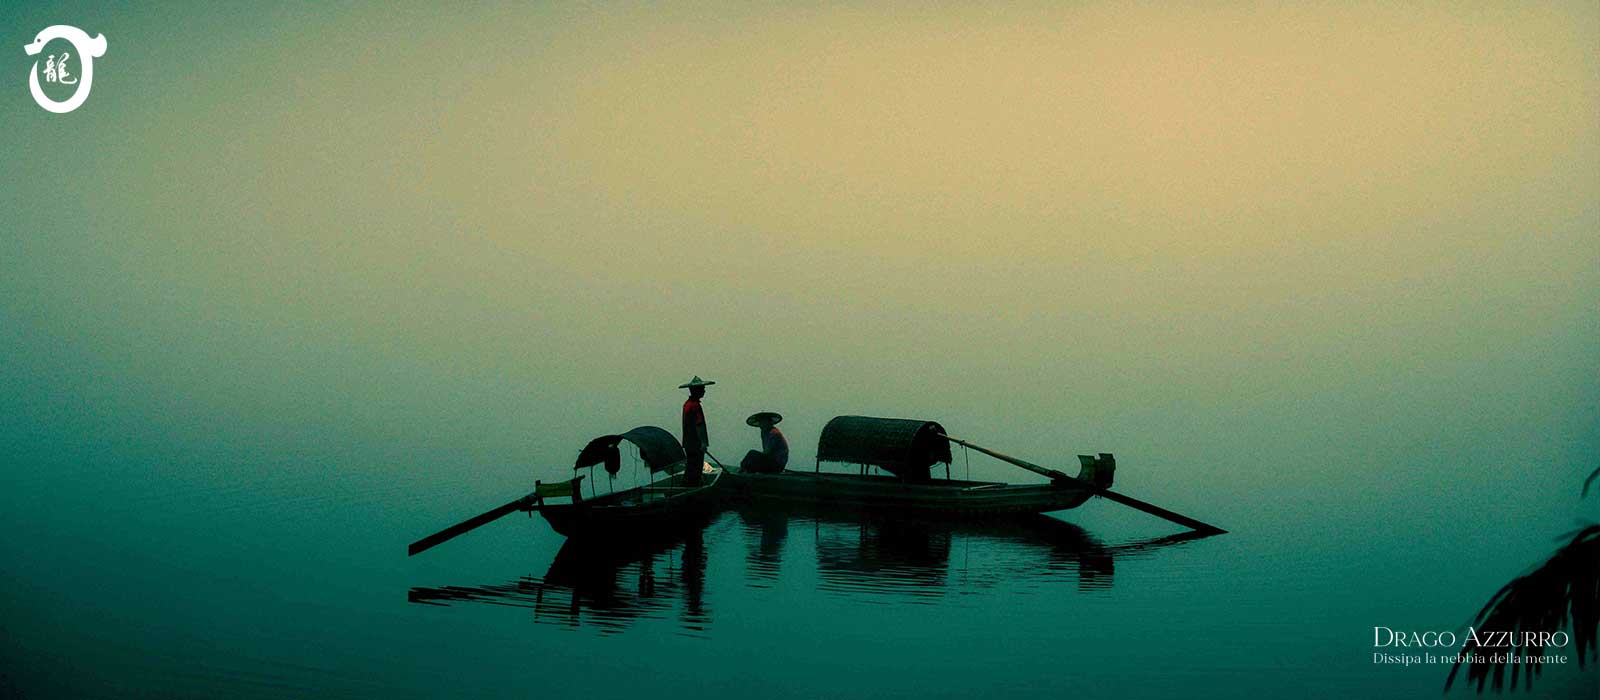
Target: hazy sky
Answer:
[[1182, 232]]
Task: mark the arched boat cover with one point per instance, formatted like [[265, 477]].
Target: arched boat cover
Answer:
[[905, 448], [657, 447]]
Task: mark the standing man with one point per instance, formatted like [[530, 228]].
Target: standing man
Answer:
[[695, 439]]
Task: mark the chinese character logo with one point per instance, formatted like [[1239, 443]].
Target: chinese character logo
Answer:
[[57, 68]]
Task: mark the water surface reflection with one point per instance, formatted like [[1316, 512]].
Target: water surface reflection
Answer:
[[611, 585], [607, 585]]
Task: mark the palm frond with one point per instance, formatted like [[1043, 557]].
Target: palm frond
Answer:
[[1564, 589]]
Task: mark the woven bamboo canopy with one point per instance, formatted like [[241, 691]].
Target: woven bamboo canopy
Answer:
[[657, 447], [903, 447]]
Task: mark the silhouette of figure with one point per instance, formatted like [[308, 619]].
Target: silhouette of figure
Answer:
[[695, 439], [774, 452]]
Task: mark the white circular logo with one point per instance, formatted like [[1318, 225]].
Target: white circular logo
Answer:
[[58, 68]]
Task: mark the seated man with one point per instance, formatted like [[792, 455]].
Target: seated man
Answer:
[[774, 452]]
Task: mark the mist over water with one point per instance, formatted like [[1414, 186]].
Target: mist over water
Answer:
[[1326, 277]]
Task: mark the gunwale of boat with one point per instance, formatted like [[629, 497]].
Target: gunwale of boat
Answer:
[[958, 498]]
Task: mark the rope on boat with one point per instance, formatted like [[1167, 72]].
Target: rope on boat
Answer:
[[634, 459]]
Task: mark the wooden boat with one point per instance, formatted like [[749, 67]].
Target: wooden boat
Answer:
[[907, 449], [662, 504], [665, 504]]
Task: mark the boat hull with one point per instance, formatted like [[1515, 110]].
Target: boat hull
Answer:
[[664, 505], [874, 493]]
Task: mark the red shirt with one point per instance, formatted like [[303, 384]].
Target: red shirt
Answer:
[[695, 440]]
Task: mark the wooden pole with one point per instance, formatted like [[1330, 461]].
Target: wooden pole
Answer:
[[1136, 504], [468, 525]]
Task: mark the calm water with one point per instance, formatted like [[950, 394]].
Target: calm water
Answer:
[[296, 585]]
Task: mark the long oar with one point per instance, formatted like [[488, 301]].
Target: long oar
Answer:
[[1131, 502], [469, 525]]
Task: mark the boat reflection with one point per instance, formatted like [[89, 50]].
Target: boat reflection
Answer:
[[610, 586], [604, 584], [918, 561]]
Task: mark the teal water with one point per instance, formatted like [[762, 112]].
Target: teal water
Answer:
[[124, 581]]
